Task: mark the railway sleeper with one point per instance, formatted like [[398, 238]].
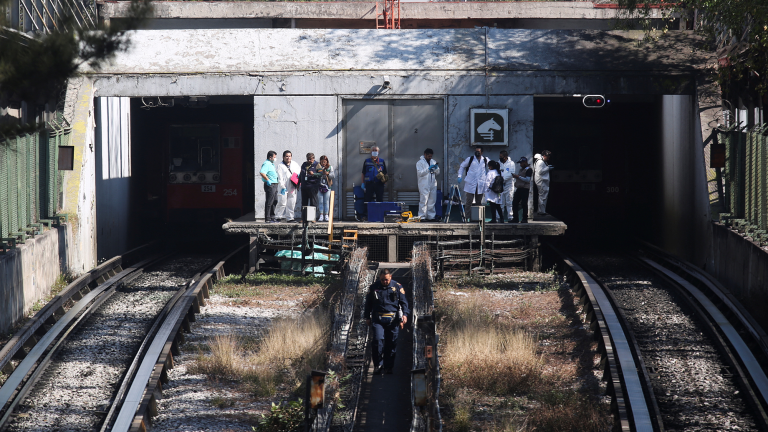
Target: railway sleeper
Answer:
[[200, 299], [8, 368], [191, 315]]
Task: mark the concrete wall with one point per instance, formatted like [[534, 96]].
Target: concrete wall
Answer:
[[299, 124], [742, 267], [79, 184], [28, 272], [684, 213], [113, 175]]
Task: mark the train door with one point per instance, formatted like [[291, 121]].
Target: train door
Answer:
[[402, 129]]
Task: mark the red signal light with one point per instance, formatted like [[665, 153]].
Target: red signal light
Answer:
[[594, 101]]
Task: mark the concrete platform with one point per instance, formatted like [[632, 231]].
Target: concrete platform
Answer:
[[546, 226]]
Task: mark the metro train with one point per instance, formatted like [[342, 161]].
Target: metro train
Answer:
[[204, 169], [192, 169]]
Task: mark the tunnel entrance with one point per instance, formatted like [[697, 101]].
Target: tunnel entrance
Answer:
[[192, 165], [606, 180]]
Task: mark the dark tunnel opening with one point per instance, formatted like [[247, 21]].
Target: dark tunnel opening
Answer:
[[606, 181], [193, 167]]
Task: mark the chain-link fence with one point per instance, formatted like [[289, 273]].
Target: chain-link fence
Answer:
[[745, 181], [30, 182]]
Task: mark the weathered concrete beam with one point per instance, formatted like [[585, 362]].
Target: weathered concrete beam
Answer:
[[365, 10], [323, 50], [404, 83]]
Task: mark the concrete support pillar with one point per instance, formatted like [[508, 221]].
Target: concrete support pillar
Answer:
[[253, 254], [392, 248]]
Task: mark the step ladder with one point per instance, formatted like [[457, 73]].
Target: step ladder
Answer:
[[455, 191]]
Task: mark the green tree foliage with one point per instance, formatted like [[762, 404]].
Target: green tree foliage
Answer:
[[737, 30], [34, 68]]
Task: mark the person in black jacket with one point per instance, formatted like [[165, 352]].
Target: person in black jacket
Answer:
[[385, 300], [310, 181]]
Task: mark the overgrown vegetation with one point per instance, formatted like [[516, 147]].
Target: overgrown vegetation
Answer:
[[283, 417], [738, 30], [486, 354], [289, 350], [62, 281], [261, 284], [35, 68], [515, 356]]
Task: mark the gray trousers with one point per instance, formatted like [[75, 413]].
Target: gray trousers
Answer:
[[469, 198]]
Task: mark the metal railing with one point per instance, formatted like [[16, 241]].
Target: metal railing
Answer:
[[30, 183], [745, 178], [46, 16]]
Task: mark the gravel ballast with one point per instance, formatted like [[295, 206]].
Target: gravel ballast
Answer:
[[693, 387], [76, 390]]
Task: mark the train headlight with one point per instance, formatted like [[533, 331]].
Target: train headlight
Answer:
[[172, 178], [201, 177], [216, 177], [187, 177]]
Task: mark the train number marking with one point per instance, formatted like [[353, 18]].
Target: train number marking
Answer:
[[208, 188], [230, 192], [612, 189]]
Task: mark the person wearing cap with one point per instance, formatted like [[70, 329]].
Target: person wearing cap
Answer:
[[522, 190], [374, 177]]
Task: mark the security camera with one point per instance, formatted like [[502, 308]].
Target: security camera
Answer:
[[387, 83]]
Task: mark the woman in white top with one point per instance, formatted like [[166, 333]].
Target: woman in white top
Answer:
[[326, 181], [493, 198]]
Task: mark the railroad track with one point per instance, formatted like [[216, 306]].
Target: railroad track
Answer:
[[95, 355], [697, 353]]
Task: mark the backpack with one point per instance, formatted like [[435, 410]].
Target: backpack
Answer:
[[498, 184], [472, 159]]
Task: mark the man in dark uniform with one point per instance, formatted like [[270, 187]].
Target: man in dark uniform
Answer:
[[385, 299], [373, 175]]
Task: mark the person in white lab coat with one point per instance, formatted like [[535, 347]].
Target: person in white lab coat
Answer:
[[427, 171], [287, 173], [541, 179], [507, 168], [474, 170], [494, 196]]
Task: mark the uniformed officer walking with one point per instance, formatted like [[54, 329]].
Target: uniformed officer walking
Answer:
[[384, 304]]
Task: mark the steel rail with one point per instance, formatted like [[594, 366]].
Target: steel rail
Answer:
[[35, 327], [631, 391], [30, 369], [750, 375], [714, 290], [131, 372], [138, 402]]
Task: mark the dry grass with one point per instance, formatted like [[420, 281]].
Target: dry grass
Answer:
[[569, 411], [485, 354], [289, 350], [498, 377]]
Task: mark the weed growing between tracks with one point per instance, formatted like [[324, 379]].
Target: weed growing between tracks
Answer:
[[291, 348], [244, 363], [516, 356]]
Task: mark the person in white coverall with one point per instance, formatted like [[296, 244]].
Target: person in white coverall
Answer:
[[541, 178], [286, 200], [474, 170], [507, 168], [427, 171]]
